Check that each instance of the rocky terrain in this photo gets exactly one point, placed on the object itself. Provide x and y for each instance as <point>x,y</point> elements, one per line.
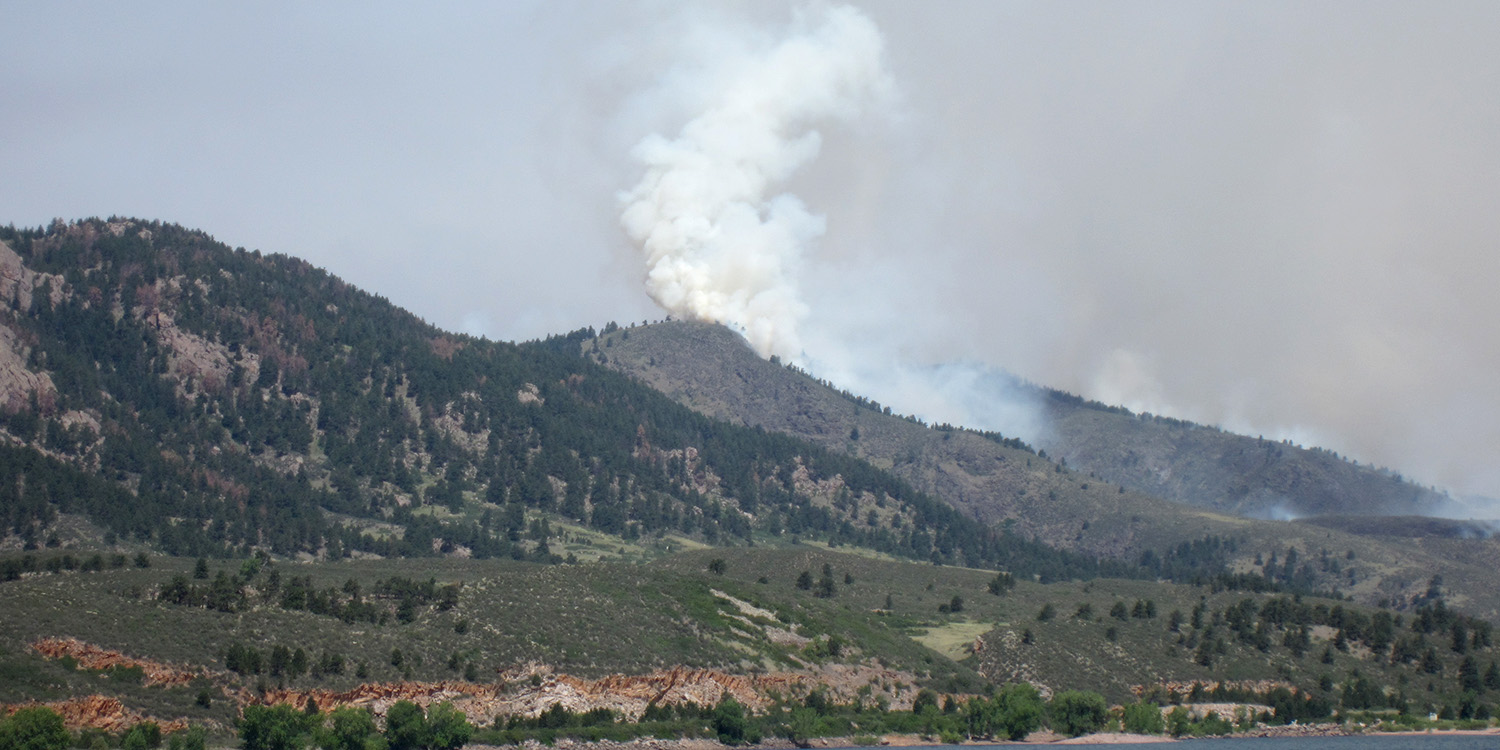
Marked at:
<point>525,690</point>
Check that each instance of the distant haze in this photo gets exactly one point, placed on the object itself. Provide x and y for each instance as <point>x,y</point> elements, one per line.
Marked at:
<point>1275,216</point>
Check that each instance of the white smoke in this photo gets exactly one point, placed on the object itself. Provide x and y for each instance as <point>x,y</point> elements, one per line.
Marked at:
<point>724,242</point>
<point>720,245</point>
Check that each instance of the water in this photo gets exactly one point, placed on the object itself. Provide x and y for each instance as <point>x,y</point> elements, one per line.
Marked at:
<point>1359,742</point>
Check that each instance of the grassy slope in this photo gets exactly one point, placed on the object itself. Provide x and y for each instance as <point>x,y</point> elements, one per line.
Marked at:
<point>710,370</point>
<point>604,618</point>
<point>586,620</point>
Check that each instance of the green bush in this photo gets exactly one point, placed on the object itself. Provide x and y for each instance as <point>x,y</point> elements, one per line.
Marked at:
<point>273,728</point>
<point>405,727</point>
<point>1213,725</point>
<point>1019,711</point>
<point>192,738</point>
<point>1179,722</point>
<point>447,728</point>
<point>34,729</point>
<point>1077,712</point>
<point>1143,718</point>
<point>142,736</point>
<point>348,728</point>
<point>731,724</point>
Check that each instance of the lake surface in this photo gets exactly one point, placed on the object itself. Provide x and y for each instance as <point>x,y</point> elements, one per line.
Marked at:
<point>1360,742</point>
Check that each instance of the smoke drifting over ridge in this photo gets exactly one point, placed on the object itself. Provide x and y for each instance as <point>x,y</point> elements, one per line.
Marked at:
<point>1241,216</point>
<point>1274,216</point>
<point>719,244</point>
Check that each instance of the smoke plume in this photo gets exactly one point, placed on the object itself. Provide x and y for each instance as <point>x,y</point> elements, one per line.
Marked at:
<point>720,243</point>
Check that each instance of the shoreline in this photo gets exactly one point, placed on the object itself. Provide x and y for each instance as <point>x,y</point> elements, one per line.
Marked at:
<point>1036,738</point>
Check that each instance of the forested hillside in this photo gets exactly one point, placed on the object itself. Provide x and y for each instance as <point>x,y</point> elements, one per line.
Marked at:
<point>210,401</point>
<point>1212,468</point>
<point>999,479</point>
<point>378,508</point>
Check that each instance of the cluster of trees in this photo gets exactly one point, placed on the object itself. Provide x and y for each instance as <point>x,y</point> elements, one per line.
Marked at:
<point>406,416</point>
<point>1010,712</point>
<point>41,728</point>
<point>407,727</point>
<point>396,598</point>
<point>825,587</point>
<point>1286,620</point>
<point>1205,562</point>
<point>12,568</point>
<point>1287,704</point>
<point>281,661</point>
<point>412,425</point>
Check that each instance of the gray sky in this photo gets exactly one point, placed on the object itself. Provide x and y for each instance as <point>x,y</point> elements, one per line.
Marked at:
<point>1279,217</point>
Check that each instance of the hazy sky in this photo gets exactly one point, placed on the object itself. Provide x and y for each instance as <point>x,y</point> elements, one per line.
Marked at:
<point>1280,217</point>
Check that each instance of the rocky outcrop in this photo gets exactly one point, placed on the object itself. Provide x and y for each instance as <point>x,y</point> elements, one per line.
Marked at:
<point>19,384</point>
<point>89,656</point>
<point>1184,687</point>
<point>1228,711</point>
<point>194,360</point>
<point>529,690</point>
<point>627,695</point>
<point>98,712</point>
<point>18,284</point>
<point>1298,730</point>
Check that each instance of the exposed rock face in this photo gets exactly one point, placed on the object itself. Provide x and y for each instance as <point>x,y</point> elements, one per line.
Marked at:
<point>90,656</point>
<point>1228,711</point>
<point>195,359</point>
<point>99,712</point>
<point>531,690</point>
<point>18,283</point>
<point>624,694</point>
<point>1184,687</point>
<point>1299,730</point>
<point>18,383</point>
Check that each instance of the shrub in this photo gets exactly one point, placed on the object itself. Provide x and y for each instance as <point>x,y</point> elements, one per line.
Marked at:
<point>924,698</point>
<point>447,728</point>
<point>192,738</point>
<point>1077,712</point>
<point>1213,725</point>
<point>730,723</point>
<point>405,726</point>
<point>273,728</point>
<point>1019,711</point>
<point>34,729</point>
<point>1179,722</point>
<point>1143,718</point>
<point>142,736</point>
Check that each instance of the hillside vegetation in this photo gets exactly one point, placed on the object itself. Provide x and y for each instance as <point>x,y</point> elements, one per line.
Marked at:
<point>1211,468</point>
<point>174,392</point>
<point>516,638</point>
<point>229,480</point>
<point>998,479</point>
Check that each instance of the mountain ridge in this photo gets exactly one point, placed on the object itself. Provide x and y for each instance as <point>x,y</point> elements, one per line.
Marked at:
<point>373,501</point>
<point>709,368</point>
<point>247,402</point>
<point>1214,468</point>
